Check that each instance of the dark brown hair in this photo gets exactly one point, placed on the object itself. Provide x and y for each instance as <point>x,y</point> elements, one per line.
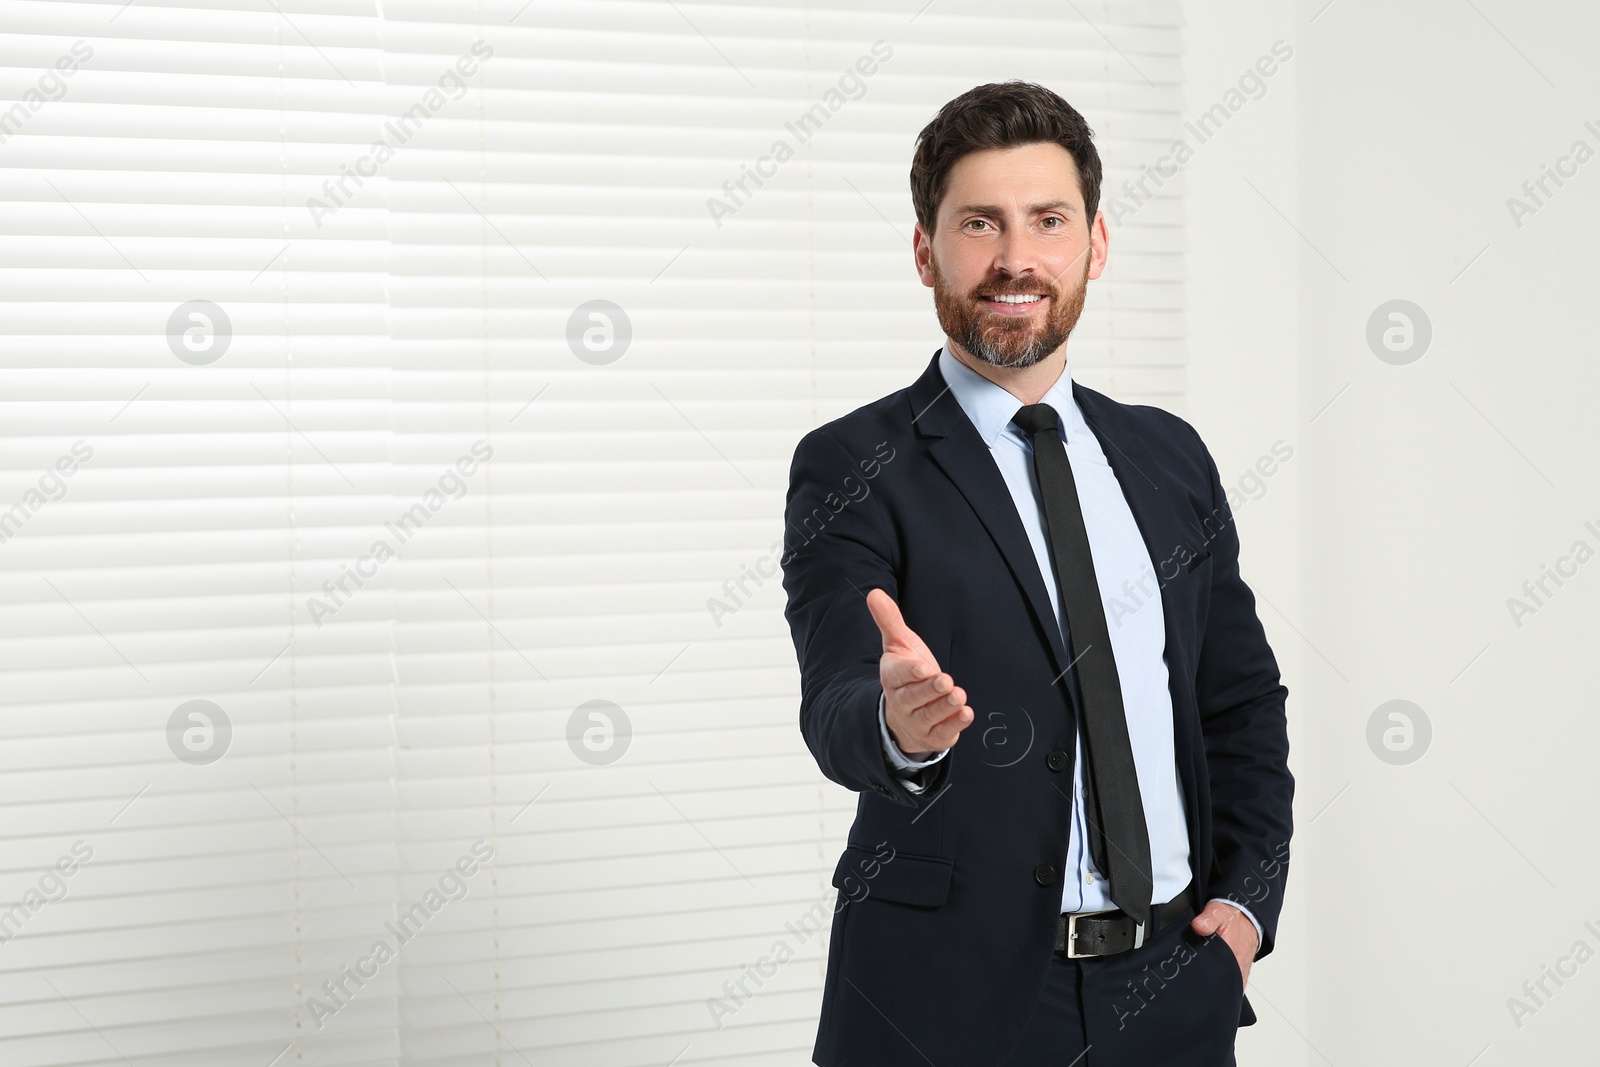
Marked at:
<point>1000,115</point>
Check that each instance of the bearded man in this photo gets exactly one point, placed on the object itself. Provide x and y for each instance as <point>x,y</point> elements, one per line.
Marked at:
<point>1024,641</point>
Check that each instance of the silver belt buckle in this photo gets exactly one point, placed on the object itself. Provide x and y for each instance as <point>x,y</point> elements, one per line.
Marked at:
<point>1072,933</point>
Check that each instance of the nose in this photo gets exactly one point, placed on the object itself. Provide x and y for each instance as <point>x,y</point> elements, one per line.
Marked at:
<point>1016,253</point>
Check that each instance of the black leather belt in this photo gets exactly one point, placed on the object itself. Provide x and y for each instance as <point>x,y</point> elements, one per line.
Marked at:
<point>1105,933</point>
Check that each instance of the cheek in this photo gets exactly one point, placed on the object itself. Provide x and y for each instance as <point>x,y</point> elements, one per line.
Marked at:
<point>1070,275</point>
<point>1082,265</point>
<point>965,259</point>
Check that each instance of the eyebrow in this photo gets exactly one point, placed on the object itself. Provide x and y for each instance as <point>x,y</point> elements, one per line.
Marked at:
<point>1034,209</point>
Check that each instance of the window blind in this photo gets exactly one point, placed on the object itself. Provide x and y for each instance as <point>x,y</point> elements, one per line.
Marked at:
<point>582,279</point>
<point>171,305</point>
<point>437,369</point>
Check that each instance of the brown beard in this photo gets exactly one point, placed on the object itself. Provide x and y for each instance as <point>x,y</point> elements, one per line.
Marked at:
<point>1002,342</point>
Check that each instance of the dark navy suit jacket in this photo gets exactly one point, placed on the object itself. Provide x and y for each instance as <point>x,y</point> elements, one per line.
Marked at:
<point>945,943</point>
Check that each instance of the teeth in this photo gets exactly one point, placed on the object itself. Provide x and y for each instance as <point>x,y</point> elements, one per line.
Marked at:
<point>1014,298</point>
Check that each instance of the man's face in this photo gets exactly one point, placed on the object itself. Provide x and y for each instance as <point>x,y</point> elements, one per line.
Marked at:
<point>1012,253</point>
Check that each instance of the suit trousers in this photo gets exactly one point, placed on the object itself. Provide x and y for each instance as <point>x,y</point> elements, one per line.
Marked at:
<point>1175,1000</point>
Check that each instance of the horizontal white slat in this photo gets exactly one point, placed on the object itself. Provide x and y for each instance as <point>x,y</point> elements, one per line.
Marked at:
<point>368,353</point>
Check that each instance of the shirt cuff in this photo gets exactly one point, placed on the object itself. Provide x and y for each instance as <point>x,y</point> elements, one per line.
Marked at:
<point>1247,915</point>
<point>897,759</point>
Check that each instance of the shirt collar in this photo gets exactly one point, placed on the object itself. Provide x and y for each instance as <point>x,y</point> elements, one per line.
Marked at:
<point>991,408</point>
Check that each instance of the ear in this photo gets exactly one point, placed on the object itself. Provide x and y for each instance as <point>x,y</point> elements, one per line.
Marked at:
<point>1099,245</point>
<point>922,254</point>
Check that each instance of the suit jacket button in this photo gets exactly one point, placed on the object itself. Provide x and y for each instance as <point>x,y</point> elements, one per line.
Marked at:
<point>1044,874</point>
<point>1057,760</point>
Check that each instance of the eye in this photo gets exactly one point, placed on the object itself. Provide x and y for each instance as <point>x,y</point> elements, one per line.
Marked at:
<point>1057,219</point>
<point>977,222</point>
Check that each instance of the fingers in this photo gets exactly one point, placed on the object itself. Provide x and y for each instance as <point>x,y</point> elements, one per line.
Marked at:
<point>934,726</point>
<point>923,701</point>
<point>945,733</point>
<point>897,636</point>
<point>939,689</point>
<point>927,698</point>
<point>1233,929</point>
<point>886,613</point>
<point>930,715</point>
<point>906,658</point>
<point>899,669</point>
<point>1209,921</point>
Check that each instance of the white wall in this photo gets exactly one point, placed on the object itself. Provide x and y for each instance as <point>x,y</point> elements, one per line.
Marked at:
<point>1244,393</point>
<point>1420,498</point>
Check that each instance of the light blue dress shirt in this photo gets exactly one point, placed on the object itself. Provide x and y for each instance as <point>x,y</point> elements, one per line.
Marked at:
<point>1130,592</point>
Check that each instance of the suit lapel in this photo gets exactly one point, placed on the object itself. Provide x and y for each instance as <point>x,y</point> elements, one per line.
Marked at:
<point>960,452</point>
<point>1158,509</point>
<point>1140,481</point>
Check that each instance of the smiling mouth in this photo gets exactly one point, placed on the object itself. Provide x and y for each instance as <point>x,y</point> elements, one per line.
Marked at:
<point>1012,303</point>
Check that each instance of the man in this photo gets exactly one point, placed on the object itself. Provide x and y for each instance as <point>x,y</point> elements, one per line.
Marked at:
<point>1024,640</point>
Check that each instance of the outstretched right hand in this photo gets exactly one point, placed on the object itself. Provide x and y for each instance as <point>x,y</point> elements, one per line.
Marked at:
<point>923,707</point>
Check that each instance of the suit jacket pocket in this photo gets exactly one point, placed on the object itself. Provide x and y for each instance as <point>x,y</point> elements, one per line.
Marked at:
<point>880,872</point>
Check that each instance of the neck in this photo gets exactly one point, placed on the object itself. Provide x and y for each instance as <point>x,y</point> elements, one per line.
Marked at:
<point>1027,384</point>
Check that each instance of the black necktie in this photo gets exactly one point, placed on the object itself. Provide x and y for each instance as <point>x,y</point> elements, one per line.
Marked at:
<point>1119,839</point>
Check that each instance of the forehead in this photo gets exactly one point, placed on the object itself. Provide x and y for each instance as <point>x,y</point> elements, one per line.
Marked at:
<point>1016,176</point>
